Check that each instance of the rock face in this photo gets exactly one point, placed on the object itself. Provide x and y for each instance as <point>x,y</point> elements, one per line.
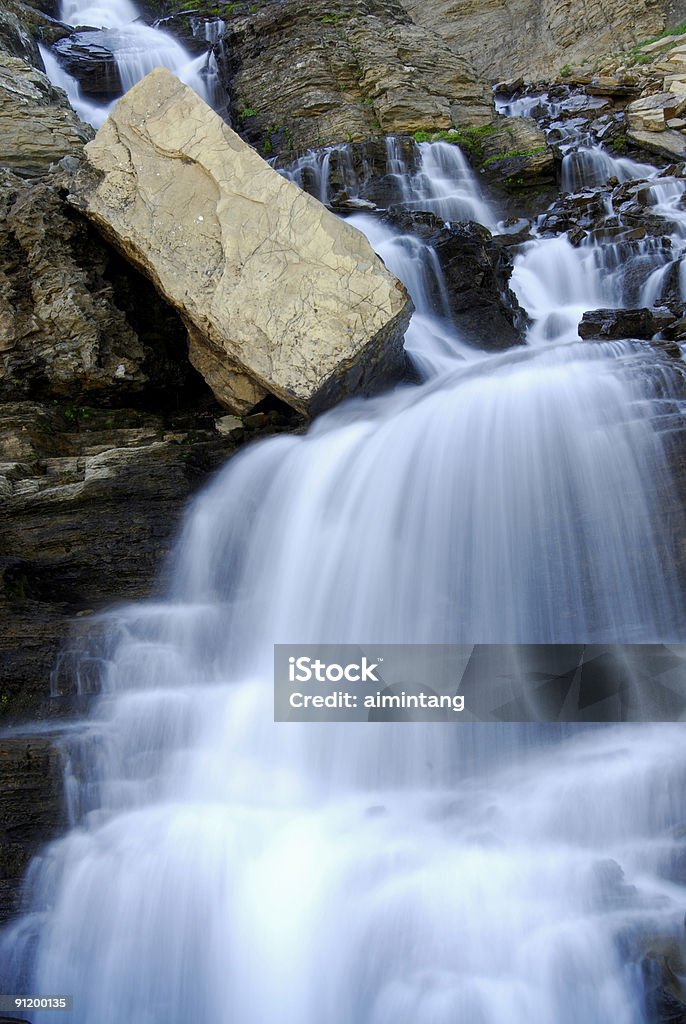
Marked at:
<point>37,125</point>
<point>535,38</point>
<point>31,809</point>
<point>279,297</point>
<point>306,74</point>
<point>71,328</point>
<point>91,501</point>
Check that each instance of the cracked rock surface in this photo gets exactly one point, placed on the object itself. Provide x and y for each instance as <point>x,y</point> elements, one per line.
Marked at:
<point>278,295</point>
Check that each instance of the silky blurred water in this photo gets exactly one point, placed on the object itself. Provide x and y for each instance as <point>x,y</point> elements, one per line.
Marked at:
<point>224,868</point>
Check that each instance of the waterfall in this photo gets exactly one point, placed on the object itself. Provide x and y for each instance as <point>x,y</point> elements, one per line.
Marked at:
<point>436,177</point>
<point>592,166</point>
<point>137,49</point>
<point>221,867</point>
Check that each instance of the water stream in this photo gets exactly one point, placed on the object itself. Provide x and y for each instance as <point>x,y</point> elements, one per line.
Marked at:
<point>223,868</point>
<point>137,49</point>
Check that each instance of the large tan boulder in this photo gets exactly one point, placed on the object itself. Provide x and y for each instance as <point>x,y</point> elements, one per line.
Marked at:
<point>278,295</point>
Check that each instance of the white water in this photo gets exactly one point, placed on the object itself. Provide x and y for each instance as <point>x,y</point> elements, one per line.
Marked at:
<point>224,868</point>
<point>585,163</point>
<point>592,166</point>
<point>137,49</point>
<point>438,178</point>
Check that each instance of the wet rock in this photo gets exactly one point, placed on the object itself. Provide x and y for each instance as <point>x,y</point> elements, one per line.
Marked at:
<point>31,810</point>
<point>477,272</point>
<point>606,324</point>
<point>477,269</point>
<point>302,74</point>
<point>94,67</point>
<point>279,296</point>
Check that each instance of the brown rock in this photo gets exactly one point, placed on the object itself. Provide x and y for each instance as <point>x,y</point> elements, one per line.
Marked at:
<point>310,77</point>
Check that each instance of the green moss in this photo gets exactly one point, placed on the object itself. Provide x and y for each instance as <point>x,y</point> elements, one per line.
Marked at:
<point>679,30</point>
<point>246,113</point>
<point>635,56</point>
<point>466,137</point>
<point>566,70</point>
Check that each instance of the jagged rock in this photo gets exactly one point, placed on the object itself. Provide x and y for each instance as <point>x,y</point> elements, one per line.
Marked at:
<point>535,38</point>
<point>32,809</point>
<point>302,74</point>
<point>37,125</point>
<point>16,40</point>
<point>71,312</point>
<point>86,59</point>
<point>650,113</point>
<point>606,324</point>
<point>476,271</point>
<point>279,296</point>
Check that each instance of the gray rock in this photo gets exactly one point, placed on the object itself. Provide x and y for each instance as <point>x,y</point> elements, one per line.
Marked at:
<point>605,324</point>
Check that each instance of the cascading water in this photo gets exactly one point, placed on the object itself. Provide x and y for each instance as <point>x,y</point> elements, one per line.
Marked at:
<point>137,48</point>
<point>224,868</point>
<point>437,178</point>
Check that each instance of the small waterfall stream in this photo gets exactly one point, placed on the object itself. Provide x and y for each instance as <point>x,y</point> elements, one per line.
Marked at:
<point>224,868</point>
<point>137,48</point>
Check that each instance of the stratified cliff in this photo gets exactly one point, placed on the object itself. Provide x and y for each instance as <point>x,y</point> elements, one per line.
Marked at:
<point>535,38</point>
